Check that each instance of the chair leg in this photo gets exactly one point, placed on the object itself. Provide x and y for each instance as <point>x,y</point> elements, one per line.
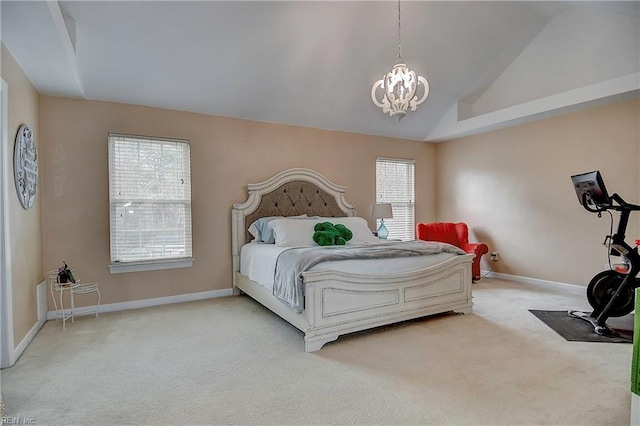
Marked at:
<point>99,298</point>
<point>64,318</point>
<point>73,304</point>
<point>53,296</point>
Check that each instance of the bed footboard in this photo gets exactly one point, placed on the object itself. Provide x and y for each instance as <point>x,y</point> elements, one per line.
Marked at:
<point>338,303</point>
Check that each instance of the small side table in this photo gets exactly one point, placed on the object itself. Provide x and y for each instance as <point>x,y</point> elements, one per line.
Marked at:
<point>73,288</point>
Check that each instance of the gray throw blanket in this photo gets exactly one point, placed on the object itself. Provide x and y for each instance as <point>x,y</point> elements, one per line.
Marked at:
<point>291,263</point>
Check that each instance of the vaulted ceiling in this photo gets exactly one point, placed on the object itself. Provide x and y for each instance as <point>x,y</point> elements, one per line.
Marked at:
<point>312,64</point>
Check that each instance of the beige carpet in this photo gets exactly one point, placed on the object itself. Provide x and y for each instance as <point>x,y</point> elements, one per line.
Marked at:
<point>230,361</point>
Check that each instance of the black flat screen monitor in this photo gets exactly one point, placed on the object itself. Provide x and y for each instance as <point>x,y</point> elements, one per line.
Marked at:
<point>591,185</point>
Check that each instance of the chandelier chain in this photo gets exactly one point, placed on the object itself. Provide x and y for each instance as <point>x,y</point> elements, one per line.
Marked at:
<point>399,36</point>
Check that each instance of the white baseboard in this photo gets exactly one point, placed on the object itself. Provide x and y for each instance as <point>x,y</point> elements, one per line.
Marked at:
<point>553,285</point>
<point>41,300</point>
<point>145,303</point>
<point>41,304</point>
<point>27,339</point>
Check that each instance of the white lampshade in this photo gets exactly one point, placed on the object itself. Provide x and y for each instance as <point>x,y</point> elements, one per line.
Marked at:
<point>382,211</point>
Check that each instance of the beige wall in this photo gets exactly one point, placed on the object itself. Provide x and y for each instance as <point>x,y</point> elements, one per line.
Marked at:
<point>513,188</point>
<point>25,225</point>
<point>226,155</point>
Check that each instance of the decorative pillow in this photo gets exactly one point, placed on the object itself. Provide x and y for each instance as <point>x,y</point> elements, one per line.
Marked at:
<point>358,227</point>
<point>292,232</point>
<point>261,231</point>
<point>256,229</point>
<point>328,234</point>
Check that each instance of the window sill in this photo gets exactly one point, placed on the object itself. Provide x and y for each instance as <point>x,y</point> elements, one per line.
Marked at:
<point>121,268</point>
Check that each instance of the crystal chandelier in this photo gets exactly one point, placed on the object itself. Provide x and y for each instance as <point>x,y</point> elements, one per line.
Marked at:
<point>400,86</point>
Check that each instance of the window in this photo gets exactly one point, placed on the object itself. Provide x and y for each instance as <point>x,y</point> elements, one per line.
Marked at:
<point>395,184</point>
<point>150,203</point>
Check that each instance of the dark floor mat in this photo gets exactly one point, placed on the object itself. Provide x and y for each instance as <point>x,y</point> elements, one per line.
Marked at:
<point>577,330</point>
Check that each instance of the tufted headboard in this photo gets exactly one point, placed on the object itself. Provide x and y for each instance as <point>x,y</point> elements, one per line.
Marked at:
<point>289,193</point>
<point>295,198</point>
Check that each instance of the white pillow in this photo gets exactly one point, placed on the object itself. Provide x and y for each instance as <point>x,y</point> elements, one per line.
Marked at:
<point>262,233</point>
<point>357,225</point>
<point>293,233</point>
<point>299,233</point>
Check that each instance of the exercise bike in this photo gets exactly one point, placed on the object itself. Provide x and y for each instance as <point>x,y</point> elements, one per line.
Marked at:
<point>610,293</point>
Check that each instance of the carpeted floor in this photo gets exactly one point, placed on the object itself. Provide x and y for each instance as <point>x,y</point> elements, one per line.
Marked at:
<point>230,361</point>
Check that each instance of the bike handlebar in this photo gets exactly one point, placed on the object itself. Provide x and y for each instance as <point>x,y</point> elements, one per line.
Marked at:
<point>625,210</point>
<point>622,205</point>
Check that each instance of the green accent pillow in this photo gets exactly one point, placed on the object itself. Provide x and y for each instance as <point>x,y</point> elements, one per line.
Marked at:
<point>328,234</point>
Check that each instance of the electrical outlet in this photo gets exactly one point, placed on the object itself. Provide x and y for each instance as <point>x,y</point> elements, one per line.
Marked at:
<point>494,256</point>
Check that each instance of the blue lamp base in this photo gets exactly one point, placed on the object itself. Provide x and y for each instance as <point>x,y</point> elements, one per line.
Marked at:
<point>383,232</point>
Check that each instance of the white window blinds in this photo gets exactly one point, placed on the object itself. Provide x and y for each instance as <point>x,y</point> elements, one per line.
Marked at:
<point>395,184</point>
<point>150,199</point>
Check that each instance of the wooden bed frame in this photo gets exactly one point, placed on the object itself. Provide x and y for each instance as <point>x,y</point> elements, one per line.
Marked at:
<point>338,303</point>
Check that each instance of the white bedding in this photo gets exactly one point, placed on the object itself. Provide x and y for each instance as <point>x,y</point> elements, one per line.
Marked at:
<point>258,263</point>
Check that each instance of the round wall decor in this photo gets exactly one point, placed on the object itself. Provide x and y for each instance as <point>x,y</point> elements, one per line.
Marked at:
<point>25,166</point>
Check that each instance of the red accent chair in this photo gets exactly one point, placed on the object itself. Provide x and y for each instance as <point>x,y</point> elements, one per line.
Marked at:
<point>456,234</point>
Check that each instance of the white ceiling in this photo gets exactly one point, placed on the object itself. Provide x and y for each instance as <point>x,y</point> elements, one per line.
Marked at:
<point>312,64</point>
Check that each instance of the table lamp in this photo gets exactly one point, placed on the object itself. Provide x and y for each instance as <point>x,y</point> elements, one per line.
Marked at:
<point>382,211</point>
